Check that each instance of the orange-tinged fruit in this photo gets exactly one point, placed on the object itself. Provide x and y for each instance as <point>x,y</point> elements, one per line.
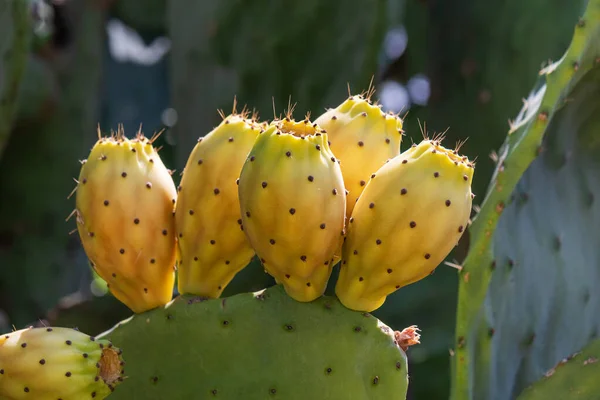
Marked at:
<point>125,200</point>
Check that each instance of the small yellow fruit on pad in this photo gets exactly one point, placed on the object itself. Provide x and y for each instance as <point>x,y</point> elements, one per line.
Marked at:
<point>57,363</point>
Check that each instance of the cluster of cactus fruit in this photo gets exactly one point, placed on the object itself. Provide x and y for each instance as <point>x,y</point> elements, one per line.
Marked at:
<point>304,197</point>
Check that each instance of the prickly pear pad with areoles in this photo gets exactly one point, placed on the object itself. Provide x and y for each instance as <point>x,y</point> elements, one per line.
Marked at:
<point>363,138</point>
<point>57,363</point>
<point>125,200</point>
<point>212,246</point>
<point>262,345</point>
<point>528,294</point>
<point>574,377</point>
<point>293,205</point>
<point>411,214</point>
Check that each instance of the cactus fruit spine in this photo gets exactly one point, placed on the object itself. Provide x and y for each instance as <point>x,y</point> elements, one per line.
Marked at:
<point>293,205</point>
<point>57,363</point>
<point>212,247</point>
<point>261,345</point>
<point>125,200</point>
<point>410,215</point>
<point>363,138</point>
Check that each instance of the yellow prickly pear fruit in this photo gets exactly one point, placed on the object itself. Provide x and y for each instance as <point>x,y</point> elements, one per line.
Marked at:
<point>125,200</point>
<point>363,138</point>
<point>212,247</point>
<point>57,363</point>
<point>293,204</point>
<point>411,214</point>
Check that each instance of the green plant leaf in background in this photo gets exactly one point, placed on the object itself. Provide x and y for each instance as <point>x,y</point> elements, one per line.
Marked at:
<point>248,49</point>
<point>39,262</point>
<point>14,44</point>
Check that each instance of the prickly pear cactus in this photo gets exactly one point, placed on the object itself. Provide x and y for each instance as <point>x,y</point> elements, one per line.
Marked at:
<point>258,346</point>
<point>14,47</point>
<point>533,261</point>
<point>57,363</point>
<point>575,377</point>
<point>212,246</point>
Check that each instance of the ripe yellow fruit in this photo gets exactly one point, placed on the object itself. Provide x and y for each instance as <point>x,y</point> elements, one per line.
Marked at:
<point>293,204</point>
<point>363,138</point>
<point>212,246</point>
<point>410,215</point>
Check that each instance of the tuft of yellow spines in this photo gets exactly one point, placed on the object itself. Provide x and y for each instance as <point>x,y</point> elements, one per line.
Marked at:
<point>363,138</point>
<point>293,204</point>
<point>212,246</point>
<point>412,212</point>
<point>125,200</point>
<point>57,363</point>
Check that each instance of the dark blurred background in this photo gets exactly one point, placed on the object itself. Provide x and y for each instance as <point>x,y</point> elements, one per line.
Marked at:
<point>457,64</point>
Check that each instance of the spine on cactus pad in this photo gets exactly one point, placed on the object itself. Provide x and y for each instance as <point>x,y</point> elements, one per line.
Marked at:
<point>125,201</point>
<point>410,215</point>
<point>57,363</point>
<point>293,204</point>
<point>212,246</point>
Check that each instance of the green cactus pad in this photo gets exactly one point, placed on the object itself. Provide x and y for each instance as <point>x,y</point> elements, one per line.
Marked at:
<point>573,378</point>
<point>527,297</point>
<point>259,345</point>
